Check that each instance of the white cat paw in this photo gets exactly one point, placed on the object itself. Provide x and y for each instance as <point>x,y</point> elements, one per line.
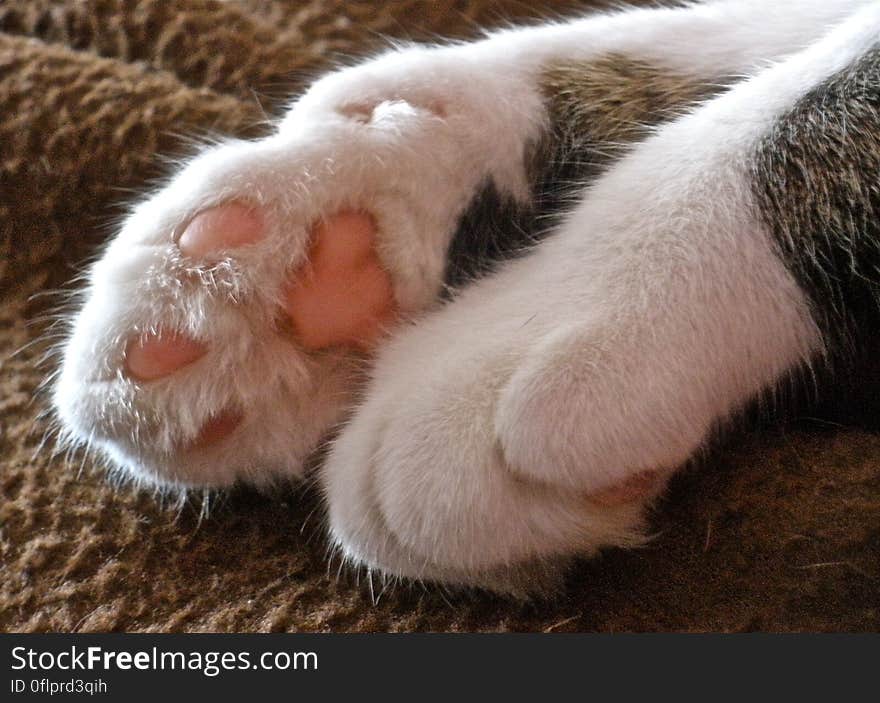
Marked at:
<point>419,484</point>
<point>223,331</point>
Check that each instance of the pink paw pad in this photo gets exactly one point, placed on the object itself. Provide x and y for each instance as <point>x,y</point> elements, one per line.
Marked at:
<point>156,356</point>
<point>342,296</point>
<point>226,226</point>
<point>216,429</point>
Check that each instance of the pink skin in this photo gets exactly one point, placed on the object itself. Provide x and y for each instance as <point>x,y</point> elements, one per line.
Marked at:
<point>342,297</point>
<point>157,356</point>
<point>228,226</point>
<point>216,429</point>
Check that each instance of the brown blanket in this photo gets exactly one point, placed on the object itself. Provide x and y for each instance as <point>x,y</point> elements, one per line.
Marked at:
<point>779,532</point>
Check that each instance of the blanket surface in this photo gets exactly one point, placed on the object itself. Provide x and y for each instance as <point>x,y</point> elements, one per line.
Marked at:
<point>778,531</point>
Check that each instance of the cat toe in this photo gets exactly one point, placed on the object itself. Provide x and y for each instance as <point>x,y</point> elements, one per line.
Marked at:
<point>221,228</point>
<point>159,355</point>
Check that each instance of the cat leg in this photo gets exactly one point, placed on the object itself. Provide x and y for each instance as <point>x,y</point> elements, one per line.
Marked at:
<point>224,330</point>
<point>535,416</point>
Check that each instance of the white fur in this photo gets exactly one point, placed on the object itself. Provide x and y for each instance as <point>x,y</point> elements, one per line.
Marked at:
<point>656,310</point>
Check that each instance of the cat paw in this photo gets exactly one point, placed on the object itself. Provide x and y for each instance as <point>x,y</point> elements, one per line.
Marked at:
<point>224,330</point>
<point>222,349</point>
<point>420,483</point>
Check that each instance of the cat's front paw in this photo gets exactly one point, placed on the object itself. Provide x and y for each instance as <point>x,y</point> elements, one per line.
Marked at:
<point>223,331</point>
<point>418,483</point>
<point>223,348</point>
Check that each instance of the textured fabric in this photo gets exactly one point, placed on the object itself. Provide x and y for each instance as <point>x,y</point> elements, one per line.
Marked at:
<point>780,531</point>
